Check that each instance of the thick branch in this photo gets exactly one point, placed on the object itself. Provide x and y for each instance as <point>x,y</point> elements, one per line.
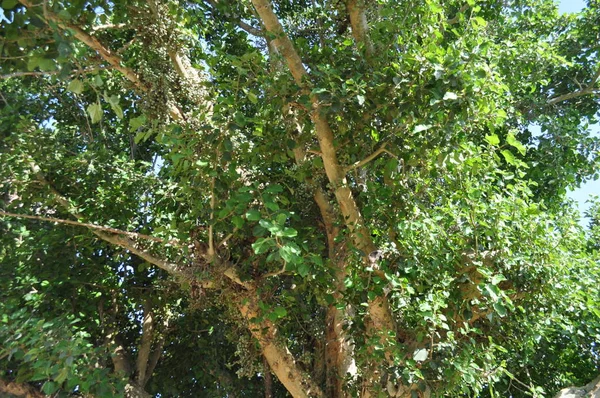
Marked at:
<point>589,89</point>
<point>145,345</point>
<point>591,390</point>
<point>280,359</point>
<point>154,357</point>
<point>380,317</point>
<point>360,27</point>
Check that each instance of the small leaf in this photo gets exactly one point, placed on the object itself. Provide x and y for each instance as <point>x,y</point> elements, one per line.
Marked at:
<point>95,112</point>
<point>492,139</point>
<point>450,96</point>
<point>252,97</point>
<point>361,99</point>
<point>274,188</point>
<point>64,14</point>
<point>117,109</point>
<point>500,309</point>
<point>420,354</point>
<point>422,127</point>
<point>280,312</point>
<point>75,86</point>
<point>262,245</point>
<point>289,232</point>
<point>9,4</point>
<point>97,81</point>
<point>512,141</point>
<point>252,215</point>
<point>49,387</point>
<point>508,156</point>
<point>136,122</point>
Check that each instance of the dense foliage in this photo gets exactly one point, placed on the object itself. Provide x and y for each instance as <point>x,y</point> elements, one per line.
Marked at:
<point>218,198</point>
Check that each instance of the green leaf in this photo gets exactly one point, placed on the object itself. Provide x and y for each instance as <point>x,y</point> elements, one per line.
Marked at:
<point>64,14</point>
<point>95,112</point>
<point>9,4</point>
<point>288,232</point>
<point>253,215</point>
<point>289,253</point>
<point>512,141</point>
<point>46,64</point>
<point>500,308</point>
<point>75,86</point>
<point>62,375</point>
<point>262,245</point>
<point>137,122</point>
<point>97,81</point>
<point>50,387</point>
<point>492,139</point>
<point>237,221</point>
<point>117,109</point>
<point>280,312</point>
<point>508,156</point>
<point>274,188</point>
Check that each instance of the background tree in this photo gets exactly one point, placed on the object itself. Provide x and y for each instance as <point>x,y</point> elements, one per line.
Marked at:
<point>235,198</point>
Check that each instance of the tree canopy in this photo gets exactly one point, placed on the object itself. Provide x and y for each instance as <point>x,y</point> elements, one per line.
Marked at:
<point>219,198</point>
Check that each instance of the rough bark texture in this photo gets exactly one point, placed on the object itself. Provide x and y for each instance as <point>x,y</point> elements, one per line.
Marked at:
<point>9,389</point>
<point>298,383</point>
<point>380,318</point>
<point>360,27</point>
<point>590,390</point>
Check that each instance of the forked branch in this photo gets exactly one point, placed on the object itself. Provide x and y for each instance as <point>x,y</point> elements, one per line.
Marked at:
<point>589,89</point>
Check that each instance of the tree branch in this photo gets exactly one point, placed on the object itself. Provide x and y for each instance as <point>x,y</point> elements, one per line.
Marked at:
<point>118,240</point>
<point>109,56</point>
<point>280,359</point>
<point>145,345</point>
<point>369,158</point>
<point>380,322</point>
<point>243,25</point>
<point>135,235</point>
<point>109,26</point>
<point>155,355</point>
<point>50,73</point>
<point>360,28</point>
<point>589,89</point>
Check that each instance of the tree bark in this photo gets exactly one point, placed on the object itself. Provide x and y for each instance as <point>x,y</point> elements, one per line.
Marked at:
<point>590,390</point>
<point>380,317</point>
<point>19,390</point>
<point>298,383</point>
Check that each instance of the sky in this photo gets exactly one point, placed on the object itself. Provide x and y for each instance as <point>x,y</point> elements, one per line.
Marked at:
<point>582,194</point>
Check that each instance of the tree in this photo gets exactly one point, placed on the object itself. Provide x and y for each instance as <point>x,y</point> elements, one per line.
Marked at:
<point>320,199</point>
